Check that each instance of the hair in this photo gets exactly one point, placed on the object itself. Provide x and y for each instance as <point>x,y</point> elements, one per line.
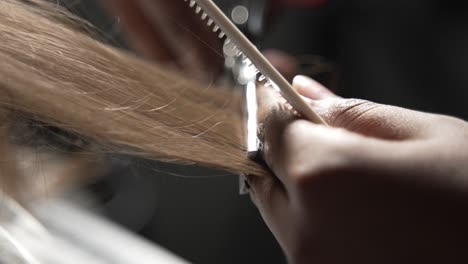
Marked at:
<point>56,74</point>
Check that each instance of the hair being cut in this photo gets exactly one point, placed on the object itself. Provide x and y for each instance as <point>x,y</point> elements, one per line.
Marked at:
<point>53,73</point>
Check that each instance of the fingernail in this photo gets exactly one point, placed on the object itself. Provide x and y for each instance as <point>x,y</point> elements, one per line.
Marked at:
<point>306,87</point>
<point>301,80</point>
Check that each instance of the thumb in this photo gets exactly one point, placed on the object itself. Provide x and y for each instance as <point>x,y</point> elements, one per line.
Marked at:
<point>372,119</point>
<point>361,116</point>
<point>310,88</point>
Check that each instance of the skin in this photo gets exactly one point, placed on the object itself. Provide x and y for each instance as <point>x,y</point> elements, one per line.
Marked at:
<point>381,184</point>
<point>170,33</point>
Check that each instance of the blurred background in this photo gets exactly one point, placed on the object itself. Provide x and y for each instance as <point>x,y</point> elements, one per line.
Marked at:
<point>408,53</point>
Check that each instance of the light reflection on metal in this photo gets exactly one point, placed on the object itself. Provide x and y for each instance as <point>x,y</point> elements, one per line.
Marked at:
<point>251,101</point>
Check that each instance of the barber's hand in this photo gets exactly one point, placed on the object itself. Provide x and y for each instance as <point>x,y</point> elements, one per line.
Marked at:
<point>170,32</point>
<point>382,184</point>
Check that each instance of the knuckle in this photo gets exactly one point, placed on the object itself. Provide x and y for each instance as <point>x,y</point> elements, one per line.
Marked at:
<point>328,162</point>
<point>351,110</point>
<point>306,180</point>
<point>298,173</point>
<point>274,121</point>
<point>295,129</point>
<point>278,128</point>
<point>276,115</point>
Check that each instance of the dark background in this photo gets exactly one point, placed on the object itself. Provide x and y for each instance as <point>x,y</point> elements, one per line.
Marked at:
<point>408,53</point>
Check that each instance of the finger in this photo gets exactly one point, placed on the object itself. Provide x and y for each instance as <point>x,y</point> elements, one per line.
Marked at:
<point>163,16</point>
<point>294,147</point>
<point>275,118</point>
<point>372,119</point>
<point>269,196</point>
<point>284,63</point>
<point>363,117</point>
<point>140,32</point>
<point>191,41</point>
<point>310,88</point>
<point>267,192</point>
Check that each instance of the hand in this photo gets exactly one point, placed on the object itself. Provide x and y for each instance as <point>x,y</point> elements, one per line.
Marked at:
<point>286,64</point>
<point>382,184</point>
<point>171,33</point>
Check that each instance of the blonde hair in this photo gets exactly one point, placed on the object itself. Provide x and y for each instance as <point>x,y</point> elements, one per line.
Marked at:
<point>61,76</point>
